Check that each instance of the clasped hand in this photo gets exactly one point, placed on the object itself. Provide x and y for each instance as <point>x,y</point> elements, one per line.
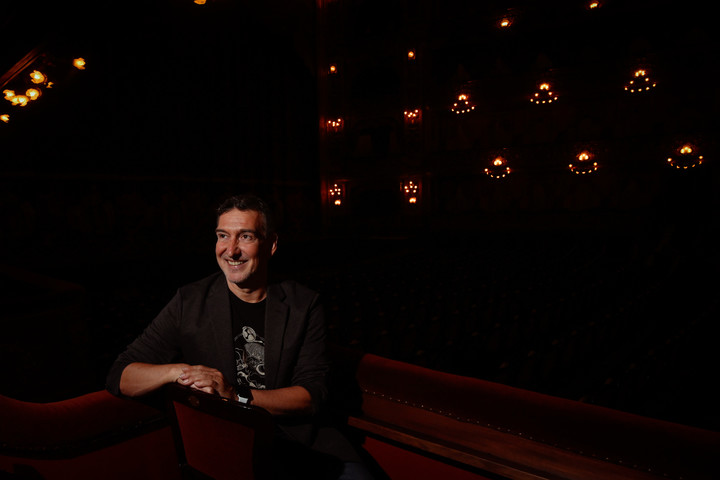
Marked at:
<point>206,379</point>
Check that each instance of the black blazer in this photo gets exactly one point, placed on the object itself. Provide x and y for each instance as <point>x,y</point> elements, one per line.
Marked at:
<point>195,327</point>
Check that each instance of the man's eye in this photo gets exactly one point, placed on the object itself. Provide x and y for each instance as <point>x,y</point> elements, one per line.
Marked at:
<point>247,237</point>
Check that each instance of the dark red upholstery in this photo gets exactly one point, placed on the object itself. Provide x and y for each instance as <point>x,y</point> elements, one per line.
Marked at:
<point>96,435</point>
<point>486,417</point>
<point>220,438</point>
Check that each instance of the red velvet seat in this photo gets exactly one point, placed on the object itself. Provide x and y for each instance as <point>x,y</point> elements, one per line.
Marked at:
<point>218,438</point>
<point>92,436</point>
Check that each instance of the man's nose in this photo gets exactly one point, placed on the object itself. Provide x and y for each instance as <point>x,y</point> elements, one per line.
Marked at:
<point>234,247</point>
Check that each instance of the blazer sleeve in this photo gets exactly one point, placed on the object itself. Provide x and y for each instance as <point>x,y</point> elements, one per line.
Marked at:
<point>158,344</point>
<point>312,365</point>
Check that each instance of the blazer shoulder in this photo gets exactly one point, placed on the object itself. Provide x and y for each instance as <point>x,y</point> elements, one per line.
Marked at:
<point>291,291</point>
<point>209,284</point>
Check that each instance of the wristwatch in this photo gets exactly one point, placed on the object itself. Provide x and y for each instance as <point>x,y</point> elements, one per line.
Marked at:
<point>243,394</point>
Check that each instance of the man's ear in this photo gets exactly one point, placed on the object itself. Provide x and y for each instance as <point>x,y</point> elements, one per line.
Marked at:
<point>273,243</point>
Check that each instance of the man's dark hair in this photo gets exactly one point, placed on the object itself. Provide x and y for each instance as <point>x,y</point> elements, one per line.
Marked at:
<point>252,202</point>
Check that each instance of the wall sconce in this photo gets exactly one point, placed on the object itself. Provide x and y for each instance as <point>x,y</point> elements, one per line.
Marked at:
<point>585,163</point>
<point>410,189</point>
<point>334,126</point>
<point>499,168</point>
<point>336,194</point>
<point>687,157</point>
<point>462,105</point>
<point>640,82</point>
<point>412,117</point>
<point>544,95</point>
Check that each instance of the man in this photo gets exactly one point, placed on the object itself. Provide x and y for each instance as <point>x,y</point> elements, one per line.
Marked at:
<point>234,335</point>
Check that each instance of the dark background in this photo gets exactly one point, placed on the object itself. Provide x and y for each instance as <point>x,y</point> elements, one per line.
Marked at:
<point>599,287</point>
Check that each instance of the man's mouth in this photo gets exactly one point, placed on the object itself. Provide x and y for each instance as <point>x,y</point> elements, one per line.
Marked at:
<point>235,263</point>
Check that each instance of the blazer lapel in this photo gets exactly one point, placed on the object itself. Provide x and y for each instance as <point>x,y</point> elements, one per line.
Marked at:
<point>219,306</point>
<point>276,317</point>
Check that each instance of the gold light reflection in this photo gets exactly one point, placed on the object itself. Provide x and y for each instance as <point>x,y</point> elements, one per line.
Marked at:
<point>585,163</point>
<point>5,118</point>
<point>79,63</point>
<point>687,157</point>
<point>499,168</point>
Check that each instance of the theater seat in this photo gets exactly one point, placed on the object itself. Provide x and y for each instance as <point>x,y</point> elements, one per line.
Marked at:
<point>96,435</point>
<point>217,438</point>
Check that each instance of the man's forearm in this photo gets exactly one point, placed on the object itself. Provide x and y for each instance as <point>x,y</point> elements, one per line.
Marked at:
<point>140,378</point>
<point>284,401</point>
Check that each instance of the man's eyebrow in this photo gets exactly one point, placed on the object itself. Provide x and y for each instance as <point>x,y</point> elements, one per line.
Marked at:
<point>242,230</point>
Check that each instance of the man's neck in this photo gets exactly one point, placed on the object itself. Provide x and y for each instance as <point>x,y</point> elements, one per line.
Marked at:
<point>249,295</point>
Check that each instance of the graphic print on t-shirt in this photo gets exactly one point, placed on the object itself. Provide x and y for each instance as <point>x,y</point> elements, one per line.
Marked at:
<point>250,358</point>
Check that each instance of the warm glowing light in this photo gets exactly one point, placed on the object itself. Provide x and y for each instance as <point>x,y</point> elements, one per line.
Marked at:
<point>20,100</point>
<point>337,194</point>
<point>640,82</point>
<point>9,94</point>
<point>5,118</point>
<point>463,104</point>
<point>585,165</point>
<point>411,54</point>
<point>335,125</point>
<point>79,63</point>
<point>33,93</point>
<point>543,95</point>
<point>498,169</point>
<point>37,77</point>
<point>333,69</point>
<point>505,22</point>
<point>199,2</point>
<point>411,190</point>
<point>687,158</point>
<point>594,5</point>
<point>412,117</point>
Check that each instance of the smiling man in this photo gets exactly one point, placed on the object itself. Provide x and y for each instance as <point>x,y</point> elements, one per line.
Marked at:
<point>232,334</point>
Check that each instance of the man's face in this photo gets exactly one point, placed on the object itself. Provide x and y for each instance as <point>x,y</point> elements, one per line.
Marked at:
<point>242,251</point>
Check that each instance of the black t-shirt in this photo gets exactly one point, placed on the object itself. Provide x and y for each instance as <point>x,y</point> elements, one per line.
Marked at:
<point>248,322</point>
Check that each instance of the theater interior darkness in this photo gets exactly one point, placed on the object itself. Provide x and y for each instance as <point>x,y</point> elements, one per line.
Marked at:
<point>524,192</point>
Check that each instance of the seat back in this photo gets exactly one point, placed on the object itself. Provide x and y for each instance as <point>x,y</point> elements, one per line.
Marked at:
<point>218,438</point>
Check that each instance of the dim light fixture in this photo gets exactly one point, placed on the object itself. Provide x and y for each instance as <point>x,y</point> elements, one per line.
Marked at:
<point>412,117</point>
<point>334,126</point>
<point>640,82</point>
<point>411,191</point>
<point>499,168</point>
<point>336,194</point>
<point>585,163</point>
<point>687,157</point>
<point>462,105</point>
<point>544,95</point>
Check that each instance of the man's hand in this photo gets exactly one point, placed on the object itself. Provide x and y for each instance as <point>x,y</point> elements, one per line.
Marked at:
<point>206,379</point>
